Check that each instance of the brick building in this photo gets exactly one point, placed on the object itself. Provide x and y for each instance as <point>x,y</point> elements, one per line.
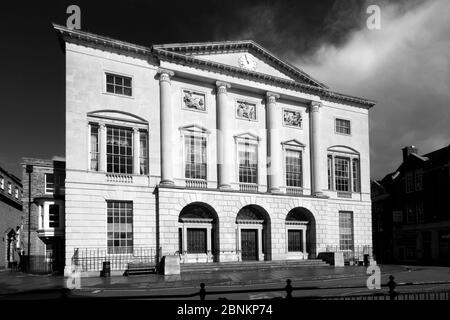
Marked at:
<point>214,151</point>
<point>10,218</point>
<point>411,210</point>
<point>47,213</point>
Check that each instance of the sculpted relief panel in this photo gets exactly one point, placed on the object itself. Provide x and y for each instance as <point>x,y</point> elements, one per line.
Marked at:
<point>292,118</point>
<point>193,100</point>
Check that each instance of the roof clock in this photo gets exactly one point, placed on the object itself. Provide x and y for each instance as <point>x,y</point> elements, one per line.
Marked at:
<point>247,61</point>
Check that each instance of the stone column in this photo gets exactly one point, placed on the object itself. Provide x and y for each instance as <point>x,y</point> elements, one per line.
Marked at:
<point>316,170</point>
<point>209,253</point>
<point>136,151</point>
<point>304,242</point>
<point>224,143</point>
<point>102,147</point>
<point>166,119</point>
<point>275,168</point>
<point>260,242</point>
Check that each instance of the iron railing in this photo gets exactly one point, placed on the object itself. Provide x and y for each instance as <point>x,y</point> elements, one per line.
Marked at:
<point>42,264</point>
<point>353,256</point>
<point>390,294</point>
<point>91,259</point>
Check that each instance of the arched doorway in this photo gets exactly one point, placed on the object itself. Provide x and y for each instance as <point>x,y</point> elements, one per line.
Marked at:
<point>253,234</point>
<point>198,234</point>
<point>300,234</point>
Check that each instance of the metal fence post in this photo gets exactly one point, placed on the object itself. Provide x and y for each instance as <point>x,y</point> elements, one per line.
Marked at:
<point>288,289</point>
<point>391,284</point>
<point>202,291</point>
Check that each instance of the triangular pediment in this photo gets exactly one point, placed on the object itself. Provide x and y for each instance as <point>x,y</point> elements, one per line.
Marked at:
<point>247,136</point>
<point>194,128</point>
<point>241,55</point>
<point>293,143</point>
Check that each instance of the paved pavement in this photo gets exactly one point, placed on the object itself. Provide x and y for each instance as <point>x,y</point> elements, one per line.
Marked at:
<point>18,284</point>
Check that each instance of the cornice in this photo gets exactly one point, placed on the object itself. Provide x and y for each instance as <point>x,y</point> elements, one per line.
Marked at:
<point>167,53</point>
<point>285,83</point>
<point>77,36</point>
<point>243,45</point>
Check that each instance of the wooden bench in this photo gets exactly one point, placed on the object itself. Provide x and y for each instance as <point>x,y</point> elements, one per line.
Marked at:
<point>135,268</point>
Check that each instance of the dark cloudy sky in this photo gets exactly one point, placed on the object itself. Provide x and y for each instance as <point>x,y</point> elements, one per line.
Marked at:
<point>404,66</point>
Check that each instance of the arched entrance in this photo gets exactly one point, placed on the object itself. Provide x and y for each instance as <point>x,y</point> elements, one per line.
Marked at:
<point>253,234</point>
<point>300,234</point>
<point>198,234</point>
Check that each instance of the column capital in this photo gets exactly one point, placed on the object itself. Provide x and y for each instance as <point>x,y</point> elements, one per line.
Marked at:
<point>272,97</point>
<point>136,130</point>
<point>102,125</point>
<point>315,105</point>
<point>164,74</point>
<point>222,86</point>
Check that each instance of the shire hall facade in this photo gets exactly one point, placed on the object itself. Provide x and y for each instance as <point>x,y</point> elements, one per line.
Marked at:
<point>214,152</point>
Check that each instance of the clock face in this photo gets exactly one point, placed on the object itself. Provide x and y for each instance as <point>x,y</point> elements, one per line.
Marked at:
<point>247,61</point>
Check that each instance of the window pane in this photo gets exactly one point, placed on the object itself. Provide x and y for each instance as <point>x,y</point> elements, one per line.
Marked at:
<point>248,163</point>
<point>355,175</point>
<point>343,126</point>
<point>119,157</point>
<point>342,174</point>
<point>119,227</point>
<point>49,183</point>
<point>94,148</point>
<point>294,168</point>
<point>346,230</point>
<point>53,216</point>
<point>143,156</point>
<point>118,84</point>
<point>195,157</point>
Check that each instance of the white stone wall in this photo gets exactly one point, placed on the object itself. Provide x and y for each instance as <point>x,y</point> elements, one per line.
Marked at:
<point>228,204</point>
<point>87,192</point>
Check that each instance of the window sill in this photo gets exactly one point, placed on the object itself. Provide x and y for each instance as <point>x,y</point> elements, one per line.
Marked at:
<point>118,95</point>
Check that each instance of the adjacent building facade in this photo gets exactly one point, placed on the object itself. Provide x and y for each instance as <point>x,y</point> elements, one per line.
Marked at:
<point>43,181</point>
<point>10,219</point>
<point>213,151</point>
<point>411,210</point>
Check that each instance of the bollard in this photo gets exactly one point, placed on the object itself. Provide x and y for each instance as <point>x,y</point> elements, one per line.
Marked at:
<point>391,284</point>
<point>106,272</point>
<point>288,289</point>
<point>202,291</point>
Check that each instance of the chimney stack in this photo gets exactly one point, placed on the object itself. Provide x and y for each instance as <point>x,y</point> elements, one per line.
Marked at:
<point>408,150</point>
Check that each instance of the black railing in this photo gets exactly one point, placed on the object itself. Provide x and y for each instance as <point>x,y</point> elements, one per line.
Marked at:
<point>41,264</point>
<point>354,255</point>
<point>91,259</point>
<point>390,294</point>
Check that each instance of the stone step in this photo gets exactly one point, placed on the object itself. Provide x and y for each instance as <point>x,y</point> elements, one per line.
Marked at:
<point>250,265</point>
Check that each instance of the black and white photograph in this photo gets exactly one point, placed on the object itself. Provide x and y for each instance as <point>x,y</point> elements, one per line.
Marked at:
<point>225,159</point>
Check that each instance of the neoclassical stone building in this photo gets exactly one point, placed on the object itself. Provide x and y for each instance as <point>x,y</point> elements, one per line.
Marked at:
<point>215,151</point>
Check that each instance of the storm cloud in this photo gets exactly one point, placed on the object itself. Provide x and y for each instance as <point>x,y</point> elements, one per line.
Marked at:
<point>405,67</point>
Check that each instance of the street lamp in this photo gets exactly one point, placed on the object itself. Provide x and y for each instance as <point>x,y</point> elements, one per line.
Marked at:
<point>29,171</point>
